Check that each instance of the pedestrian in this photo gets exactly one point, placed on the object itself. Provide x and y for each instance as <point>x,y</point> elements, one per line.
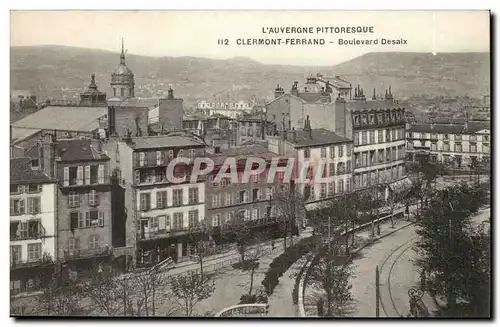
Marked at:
<point>272,244</point>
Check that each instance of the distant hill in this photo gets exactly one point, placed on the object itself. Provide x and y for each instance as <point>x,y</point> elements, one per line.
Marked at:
<point>54,71</point>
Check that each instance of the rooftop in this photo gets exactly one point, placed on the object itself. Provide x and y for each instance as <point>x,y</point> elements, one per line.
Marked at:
<point>134,102</point>
<point>317,137</point>
<point>472,127</point>
<point>21,172</point>
<point>76,119</point>
<point>369,104</point>
<point>78,150</point>
<point>219,159</point>
<point>165,141</point>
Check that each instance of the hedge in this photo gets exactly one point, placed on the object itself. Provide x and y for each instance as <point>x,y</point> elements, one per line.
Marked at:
<point>285,260</point>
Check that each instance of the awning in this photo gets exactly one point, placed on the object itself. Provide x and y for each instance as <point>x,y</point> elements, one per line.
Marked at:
<point>401,185</point>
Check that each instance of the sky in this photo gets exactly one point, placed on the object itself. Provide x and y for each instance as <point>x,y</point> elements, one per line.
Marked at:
<point>195,33</point>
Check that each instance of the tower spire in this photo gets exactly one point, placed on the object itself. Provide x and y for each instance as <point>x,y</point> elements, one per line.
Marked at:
<point>122,55</point>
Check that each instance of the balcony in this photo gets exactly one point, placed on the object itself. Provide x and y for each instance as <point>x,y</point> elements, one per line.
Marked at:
<point>77,184</point>
<point>87,253</point>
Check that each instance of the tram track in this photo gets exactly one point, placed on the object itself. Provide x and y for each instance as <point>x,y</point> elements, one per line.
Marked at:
<point>406,246</point>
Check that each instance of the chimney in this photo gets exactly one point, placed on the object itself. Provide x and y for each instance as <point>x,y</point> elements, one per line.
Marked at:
<point>374,97</point>
<point>307,127</point>
<point>111,121</point>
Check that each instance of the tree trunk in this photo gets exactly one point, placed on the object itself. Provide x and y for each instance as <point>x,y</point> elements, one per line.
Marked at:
<point>392,217</point>
<point>241,249</point>
<point>201,264</point>
<point>251,280</point>
<point>346,235</point>
<point>353,233</point>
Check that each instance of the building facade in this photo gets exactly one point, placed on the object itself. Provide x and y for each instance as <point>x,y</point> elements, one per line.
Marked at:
<point>379,141</point>
<point>33,212</point>
<point>227,108</point>
<point>84,216</point>
<point>160,212</point>
<point>456,145</point>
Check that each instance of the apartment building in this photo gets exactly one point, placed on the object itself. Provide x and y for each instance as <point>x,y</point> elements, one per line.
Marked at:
<point>160,213</point>
<point>327,155</point>
<point>33,212</point>
<point>456,145</point>
<point>229,108</point>
<point>83,200</point>
<point>229,200</point>
<point>250,128</point>
<point>379,141</point>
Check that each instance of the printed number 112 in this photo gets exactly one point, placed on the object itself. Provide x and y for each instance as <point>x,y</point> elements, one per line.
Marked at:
<point>222,41</point>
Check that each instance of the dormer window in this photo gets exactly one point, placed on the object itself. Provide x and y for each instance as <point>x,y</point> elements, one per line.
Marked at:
<point>356,120</point>
<point>34,164</point>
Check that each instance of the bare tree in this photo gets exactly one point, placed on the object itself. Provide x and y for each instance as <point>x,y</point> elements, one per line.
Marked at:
<point>332,275</point>
<point>198,237</point>
<point>149,283</point>
<point>191,288</point>
<point>239,231</point>
<point>254,253</point>
<point>62,296</point>
<point>289,205</point>
<point>396,198</point>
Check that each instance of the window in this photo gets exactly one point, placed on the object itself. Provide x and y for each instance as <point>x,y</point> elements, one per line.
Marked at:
<point>93,198</point>
<point>243,197</point>
<point>159,158</point>
<point>331,188</point>
<point>246,214</point>
<point>381,156</point>
<point>348,150</point>
<point>363,138</point>
<point>101,174</point>
<point>15,254</point>
<point>446,136</point>
<point>380,136</point>
<point>255,195</point>
<point>306,153</point>
<point>341,151</point>
<point>193,218</point>
<point>216,221</point>
<point>177,198</point>
<point>255,213</point>
<point>215,200</point>
<point>486,147</point>
<point>323,191</point>
<point>228,199</point>
<point>192,154</point>
<point>73,244</point>
<point>332,152</point>
<point>178,220</point>
<point>388,135</point>
<point>458,137</point>
<point>256,178</point>
<point>170,154</point>
<point>161,200</point>
<point>100,218</point>
<point>340,168</point>
<point>34,205</point>
<point>372,137</point>
<point>73,199</point>
<point>364,159</point>
<point>331,169</point>
<point>348,166</point>
<point>446,146</point>
<point>270,191</point>
<point>94,242</point>
<point>472,137</point>
<point>434,146</point>
<point>348,185</point>
<point>87,175</point>
<point>193,195</point>
<point>473,147</point>
<point>180,153</point>
<point>79,175</point>
<point>323,152</point>
<point>307,192</point>
<point>356,138</point>
<point>458,147</point>
<point>145,201</point>
<point>34,251</point>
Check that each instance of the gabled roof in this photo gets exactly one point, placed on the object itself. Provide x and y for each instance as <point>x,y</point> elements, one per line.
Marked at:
<point>21,172</point>
<point>78,150</point>
<point>76,119</point>
<point>286,94</point>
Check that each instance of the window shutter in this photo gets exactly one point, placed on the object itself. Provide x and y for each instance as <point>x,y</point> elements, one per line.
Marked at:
<point>21,207</point>
<point>158,158</point>
<point>101,218</point>
<point>161,222</point>
<point>87,175</point>
<point>66,176</point>
<point>167,222</point>
<point>79,175</point>
<point>81,222</point>
<point>73,221</point>
<point>100,174</point>
<point>77,244</point>
<point>87,219</point>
